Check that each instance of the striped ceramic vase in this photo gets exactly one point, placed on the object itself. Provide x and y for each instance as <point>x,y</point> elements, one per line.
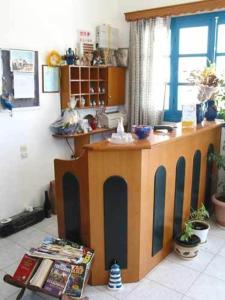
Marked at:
<point>115,282</point>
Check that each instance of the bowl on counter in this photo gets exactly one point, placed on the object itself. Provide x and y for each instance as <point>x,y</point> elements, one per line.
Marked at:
<point>141,131</point>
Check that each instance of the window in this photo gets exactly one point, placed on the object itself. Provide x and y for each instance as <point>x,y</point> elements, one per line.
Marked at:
<point>195,40</point>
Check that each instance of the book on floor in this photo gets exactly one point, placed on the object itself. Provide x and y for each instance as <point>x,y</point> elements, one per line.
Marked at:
<point>25,269</point>
<point>41,274</point>
<point>75,283</point>
<point>58,249</point>
<point>57,278</point>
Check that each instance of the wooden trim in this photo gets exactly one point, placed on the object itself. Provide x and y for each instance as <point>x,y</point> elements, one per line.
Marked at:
<point>175,10</point>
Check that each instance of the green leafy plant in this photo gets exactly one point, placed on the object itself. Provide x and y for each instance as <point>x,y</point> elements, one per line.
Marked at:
<point>187,232</point>
<point>219,160</point>
<point>200,214</point>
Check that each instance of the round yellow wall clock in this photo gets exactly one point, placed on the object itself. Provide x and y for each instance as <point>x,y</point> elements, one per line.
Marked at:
<point>54,58</point>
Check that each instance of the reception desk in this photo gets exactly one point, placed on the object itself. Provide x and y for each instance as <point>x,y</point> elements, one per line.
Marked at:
<point>127,202</point>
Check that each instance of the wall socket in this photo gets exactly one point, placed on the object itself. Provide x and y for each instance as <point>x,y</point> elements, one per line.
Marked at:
<point>23,151</point>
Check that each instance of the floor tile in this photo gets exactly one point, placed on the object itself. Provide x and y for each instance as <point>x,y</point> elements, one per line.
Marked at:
<point>28,239</point>
<point>214,244</point>
<point>207,288</point>
<point>199,263</point>
<point>11,254</point>
<point>173,275</point>
<point>6,290</point>
<point>95,294</point>
<point>121,294</point>
<point>217,268</point>
<point>153,290</point>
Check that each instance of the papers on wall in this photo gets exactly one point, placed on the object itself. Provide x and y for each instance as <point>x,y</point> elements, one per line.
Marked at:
<point>22,61</point>
<point>107,37</point>
<point>23,85</point>
<point>1,73</point>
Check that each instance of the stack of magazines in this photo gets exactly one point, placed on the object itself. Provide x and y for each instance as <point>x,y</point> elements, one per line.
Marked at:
<point>57,266</point>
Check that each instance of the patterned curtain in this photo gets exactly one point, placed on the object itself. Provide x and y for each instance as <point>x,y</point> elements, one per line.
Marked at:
<point>148,69</point>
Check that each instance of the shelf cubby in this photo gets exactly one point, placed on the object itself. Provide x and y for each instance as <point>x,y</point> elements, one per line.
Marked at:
<point>75,87</point>
<point>94,74</point>
<point>74,73</point>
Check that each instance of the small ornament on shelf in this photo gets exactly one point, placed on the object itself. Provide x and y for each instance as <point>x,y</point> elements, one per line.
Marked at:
<point>82,102</point>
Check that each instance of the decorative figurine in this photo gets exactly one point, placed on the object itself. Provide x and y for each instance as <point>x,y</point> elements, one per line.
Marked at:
<point>82,101</point>
<point>115,282</point>
<point>97,59</point>
<point>70,56</point>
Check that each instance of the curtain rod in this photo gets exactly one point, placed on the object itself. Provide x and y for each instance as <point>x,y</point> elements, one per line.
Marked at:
<point>174,10</point>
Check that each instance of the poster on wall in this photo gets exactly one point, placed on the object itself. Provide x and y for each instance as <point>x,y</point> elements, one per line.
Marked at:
<point>50,79</point>
<point>23,85</point>
<point>22,61</point>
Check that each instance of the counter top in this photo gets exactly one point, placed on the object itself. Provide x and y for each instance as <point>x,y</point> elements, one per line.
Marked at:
<point>155,138</point>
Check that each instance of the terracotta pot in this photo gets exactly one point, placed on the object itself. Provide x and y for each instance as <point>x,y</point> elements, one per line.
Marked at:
<point>219,208</point>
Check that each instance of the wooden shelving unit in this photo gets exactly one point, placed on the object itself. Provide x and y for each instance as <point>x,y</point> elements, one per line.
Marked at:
<point>98,85</point>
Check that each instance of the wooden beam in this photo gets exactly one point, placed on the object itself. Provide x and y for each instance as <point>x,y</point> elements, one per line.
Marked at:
<point>174,10</point>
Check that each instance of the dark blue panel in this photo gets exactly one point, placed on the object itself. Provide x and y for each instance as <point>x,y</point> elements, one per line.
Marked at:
<point>71,196</point>
<point>195,179</point>
<point>179,196</point>
<point>208,182</point>
<point>115,221</point>
<point>159,208</point>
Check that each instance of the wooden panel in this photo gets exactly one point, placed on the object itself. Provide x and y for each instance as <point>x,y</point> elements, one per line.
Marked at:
<point>71,197</point>
<point>64,86</point>
<point>79,169</point>
<point>195,179</point>
<point>116,86</point>
<point>158,212</point>
<point>103,165</point>
<point>179,196</point>
<point>208,181</point>
<point>174,10</point>
<point>115,221</point>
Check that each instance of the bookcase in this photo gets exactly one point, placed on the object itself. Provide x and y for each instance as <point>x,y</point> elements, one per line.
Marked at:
<point>92,86</point>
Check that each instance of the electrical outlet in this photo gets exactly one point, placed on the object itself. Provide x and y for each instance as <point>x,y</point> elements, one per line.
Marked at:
<point>23,151</point>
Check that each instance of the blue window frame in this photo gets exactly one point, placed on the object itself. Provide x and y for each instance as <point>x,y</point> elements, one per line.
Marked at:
<point>208,45</point>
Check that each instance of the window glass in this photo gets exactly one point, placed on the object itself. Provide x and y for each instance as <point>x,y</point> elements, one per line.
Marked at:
<point>188,64</point>
<point>220,66</point>
<point>193,40</point>
<point>187,94</point>
<point>221,38</point>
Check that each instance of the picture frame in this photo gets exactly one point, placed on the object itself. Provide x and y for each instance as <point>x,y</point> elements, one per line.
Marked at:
<point>122,57</point>
<point>50,79</point>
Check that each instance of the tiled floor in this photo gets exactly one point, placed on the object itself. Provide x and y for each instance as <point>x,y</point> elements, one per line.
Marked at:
<point>201,279</point>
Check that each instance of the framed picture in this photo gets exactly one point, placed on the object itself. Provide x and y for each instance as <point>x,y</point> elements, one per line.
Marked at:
<point>122,57</point>
<point>50,79</point>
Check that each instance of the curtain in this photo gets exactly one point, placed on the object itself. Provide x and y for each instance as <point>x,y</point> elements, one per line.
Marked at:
<point>148,69</point>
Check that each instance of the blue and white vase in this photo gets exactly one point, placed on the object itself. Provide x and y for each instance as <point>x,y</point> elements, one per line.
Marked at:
<point>211,110</point>
<point>115,282</point>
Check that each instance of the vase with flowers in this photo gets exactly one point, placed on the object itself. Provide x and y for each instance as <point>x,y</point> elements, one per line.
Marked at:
<point>209,84</point>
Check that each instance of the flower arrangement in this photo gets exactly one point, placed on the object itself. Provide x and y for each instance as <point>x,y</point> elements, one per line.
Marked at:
<point>208,82</point>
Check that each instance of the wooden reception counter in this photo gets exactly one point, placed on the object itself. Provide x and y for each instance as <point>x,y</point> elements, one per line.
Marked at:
<point>127,202</point>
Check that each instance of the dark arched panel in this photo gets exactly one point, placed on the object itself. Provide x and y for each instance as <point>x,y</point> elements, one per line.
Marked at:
<point>179,196</point>
<point>71,196</point>
<point>195,179</point>
<point>115,221</point>
<point>208,182</point>
<point>158,212</point>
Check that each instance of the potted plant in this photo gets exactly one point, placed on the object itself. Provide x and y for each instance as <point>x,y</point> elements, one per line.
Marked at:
<point>218,198</point>
<point>187,243</point>
<point>199,225</point>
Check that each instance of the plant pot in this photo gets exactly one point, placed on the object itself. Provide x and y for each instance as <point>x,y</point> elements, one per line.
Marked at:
<point>201,229</point>
<point>219,208</point>
<point>187,250</point>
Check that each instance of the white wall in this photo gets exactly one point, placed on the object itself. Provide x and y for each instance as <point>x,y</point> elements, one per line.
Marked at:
<point>44,25</point>
<point>40,25</point>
